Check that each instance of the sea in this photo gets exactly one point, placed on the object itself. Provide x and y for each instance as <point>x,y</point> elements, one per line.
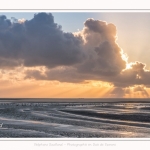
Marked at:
<point>75,118</point>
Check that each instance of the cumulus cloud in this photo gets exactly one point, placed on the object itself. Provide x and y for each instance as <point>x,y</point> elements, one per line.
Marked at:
<point>38,42</point>
<point>89,54</point>
<point>136,75</point>
<point>104,54</point>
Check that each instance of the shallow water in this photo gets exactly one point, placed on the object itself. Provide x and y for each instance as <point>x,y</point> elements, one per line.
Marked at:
<point>75,120</point>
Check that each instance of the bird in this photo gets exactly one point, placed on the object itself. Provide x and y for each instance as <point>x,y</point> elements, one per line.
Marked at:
<point>1,125</point>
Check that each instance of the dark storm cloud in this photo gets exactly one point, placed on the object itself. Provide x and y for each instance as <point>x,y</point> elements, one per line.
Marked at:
<point>63,75</point>
<point>39,42</point>
<point>4,23</point>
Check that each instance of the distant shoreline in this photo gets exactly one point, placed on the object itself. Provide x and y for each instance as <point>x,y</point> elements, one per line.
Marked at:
<point>76,100</point>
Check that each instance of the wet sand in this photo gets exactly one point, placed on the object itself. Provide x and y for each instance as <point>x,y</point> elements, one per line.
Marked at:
<point>75,120</point>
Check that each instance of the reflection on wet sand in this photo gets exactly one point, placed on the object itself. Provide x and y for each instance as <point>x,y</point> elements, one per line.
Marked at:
<point>86,119</point>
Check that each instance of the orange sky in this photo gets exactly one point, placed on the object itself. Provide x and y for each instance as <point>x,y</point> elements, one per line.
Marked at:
<point>56,89</point>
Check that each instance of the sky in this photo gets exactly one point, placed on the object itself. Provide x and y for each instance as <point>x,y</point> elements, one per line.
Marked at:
<point>74,54</point>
